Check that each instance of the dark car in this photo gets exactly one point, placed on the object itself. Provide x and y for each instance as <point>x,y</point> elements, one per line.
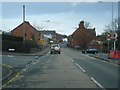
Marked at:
<point>55,48</point>
<point>91,50</point>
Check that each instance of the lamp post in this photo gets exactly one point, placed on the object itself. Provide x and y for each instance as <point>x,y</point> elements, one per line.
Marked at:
<point>114,45</point>
<point>113,31</point>
<point>42,33</point>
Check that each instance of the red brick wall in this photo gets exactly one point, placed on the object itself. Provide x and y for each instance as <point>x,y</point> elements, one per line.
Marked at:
<point>28,31</point>
<point>81,37</point>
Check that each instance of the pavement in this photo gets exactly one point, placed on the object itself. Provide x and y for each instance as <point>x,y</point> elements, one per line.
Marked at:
<point>42,52</point>
<point>104,56</point>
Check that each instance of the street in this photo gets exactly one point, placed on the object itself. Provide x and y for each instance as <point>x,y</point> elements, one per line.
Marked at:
<point>70,69</point>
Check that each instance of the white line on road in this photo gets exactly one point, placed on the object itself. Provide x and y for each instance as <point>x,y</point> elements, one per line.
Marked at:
<point>8,74</point>
<point>97,83</point>
<point>71,59</point>
<point>9,55</point>
<point>88,56</point>
<point>80,67</point>
<point>24,69</point>
<point>36,57</point>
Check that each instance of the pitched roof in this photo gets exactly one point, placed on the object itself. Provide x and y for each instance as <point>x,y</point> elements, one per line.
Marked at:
<point>92,31</point>
<point>25,22</point>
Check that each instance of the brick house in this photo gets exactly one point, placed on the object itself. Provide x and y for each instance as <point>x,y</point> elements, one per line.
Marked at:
<point>30,33</point>
<point>82,36</point>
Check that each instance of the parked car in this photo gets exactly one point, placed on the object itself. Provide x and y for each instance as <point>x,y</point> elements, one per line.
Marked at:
<point>91,50</point>
<point>55,48</point>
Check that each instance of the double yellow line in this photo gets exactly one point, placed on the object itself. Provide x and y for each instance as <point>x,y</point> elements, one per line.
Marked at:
<point>10,79</point>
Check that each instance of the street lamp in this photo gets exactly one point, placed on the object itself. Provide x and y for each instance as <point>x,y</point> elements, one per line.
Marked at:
<point>42,33</point>
<point>42,23</point>
<point>113,31</point>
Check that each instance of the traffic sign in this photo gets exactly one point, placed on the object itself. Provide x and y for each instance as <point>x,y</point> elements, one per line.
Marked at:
<point>41,41</point>
<point>112,35</point>
<point>115,35</point>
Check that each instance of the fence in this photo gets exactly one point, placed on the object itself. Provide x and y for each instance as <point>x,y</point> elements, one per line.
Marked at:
<point>18,46</point>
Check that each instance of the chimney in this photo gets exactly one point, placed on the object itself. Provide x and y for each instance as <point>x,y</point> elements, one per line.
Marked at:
<point>81,25</point>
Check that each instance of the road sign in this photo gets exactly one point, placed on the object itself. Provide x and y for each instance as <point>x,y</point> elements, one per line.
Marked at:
<point>115,35</point>
<point>112,35</point>
<point>108,39</point>
<point>41,41</point>
<point>112,39</point>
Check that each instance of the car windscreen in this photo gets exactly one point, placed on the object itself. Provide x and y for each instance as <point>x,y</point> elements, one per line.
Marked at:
<point>55,46</point>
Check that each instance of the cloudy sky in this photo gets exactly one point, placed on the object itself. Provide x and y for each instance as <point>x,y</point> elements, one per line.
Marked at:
<point>64,17</point>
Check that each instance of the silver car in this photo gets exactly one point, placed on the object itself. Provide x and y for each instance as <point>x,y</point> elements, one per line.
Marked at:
<point>55,48</point>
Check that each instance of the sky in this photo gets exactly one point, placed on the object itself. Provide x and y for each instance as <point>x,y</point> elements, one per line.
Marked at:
<point>63,17</point>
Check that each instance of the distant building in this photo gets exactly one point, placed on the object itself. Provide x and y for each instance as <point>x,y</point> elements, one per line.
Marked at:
<point>26,30</point>
<point>82,36</point>
<point>49,33</point>
<point>69,38</point>
<point>59,37</point>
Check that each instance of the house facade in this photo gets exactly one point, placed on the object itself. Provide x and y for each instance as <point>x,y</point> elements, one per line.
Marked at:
<point>27,31</point>
<point>82,36</point>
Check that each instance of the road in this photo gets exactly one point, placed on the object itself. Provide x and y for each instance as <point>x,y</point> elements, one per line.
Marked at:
<point>104,72</point>
<point>70,69</point>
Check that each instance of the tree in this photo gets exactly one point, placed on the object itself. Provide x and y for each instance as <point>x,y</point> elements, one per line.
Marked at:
<point>114,27</point>
<point>88,25</point>
<point>118,40</point>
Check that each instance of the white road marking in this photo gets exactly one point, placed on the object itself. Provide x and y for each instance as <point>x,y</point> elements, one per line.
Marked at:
<point>89,56</point>
<point>9,55</point>
<point>8,74</point>
<point>80,67</point>
<point>24,69</point>
<point>21,76</point>
<point>36,57</point>
<point>34,62</point>
<point>71,59</point>
<point>97,83</point>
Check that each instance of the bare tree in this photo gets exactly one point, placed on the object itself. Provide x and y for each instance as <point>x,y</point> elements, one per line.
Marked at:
<point>113,26</point>
<point>88,25</point>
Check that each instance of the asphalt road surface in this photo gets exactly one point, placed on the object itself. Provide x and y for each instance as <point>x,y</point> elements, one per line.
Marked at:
<point>70,69</point>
